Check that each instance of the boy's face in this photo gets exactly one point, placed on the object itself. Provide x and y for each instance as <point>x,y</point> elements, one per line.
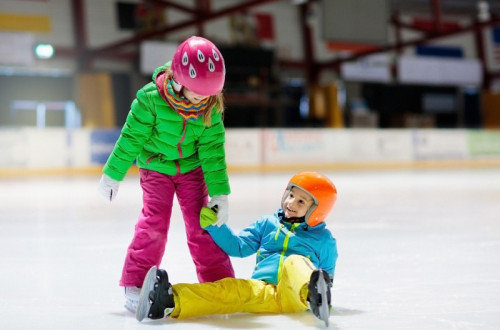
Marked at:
<point>192,96</point>
<point>297,203</point>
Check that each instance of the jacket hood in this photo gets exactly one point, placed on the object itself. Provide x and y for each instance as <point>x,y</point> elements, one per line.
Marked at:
<point>161,69</point>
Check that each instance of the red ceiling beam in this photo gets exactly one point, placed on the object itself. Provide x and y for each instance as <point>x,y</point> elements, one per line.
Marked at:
<point>79,32</point>
<point>79,26</point>
<point>335,64</point>
<point>170,28</point>
<point>307,42</point>
<point>427,26</point>
<point>204,7</point>
<point>437,15</point>
<point>480,49</point>
<point>397,33</point>
<point>65,51</point>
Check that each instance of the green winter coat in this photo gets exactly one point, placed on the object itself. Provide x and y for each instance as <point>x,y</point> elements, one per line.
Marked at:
<point>161,140</point>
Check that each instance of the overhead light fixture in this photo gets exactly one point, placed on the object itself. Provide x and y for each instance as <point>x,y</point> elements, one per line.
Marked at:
<point>44,51</point>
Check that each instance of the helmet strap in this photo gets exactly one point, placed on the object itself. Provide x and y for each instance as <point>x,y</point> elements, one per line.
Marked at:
<point>295,219</point>
<point>177,87</point>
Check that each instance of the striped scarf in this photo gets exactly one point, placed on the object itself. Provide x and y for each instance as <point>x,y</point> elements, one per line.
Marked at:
<point>182,105</point>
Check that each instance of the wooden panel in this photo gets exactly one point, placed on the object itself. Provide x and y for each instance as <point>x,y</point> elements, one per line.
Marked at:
<point>317,102</point>
<point>491,109</point>
<point>95,99</point>
<point>334,118</point>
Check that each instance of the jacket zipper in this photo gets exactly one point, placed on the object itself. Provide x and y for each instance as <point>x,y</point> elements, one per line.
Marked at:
<point>179,149</point>
<point>285,245</point>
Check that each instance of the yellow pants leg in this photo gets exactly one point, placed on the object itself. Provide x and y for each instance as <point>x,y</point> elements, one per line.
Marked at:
<point>232,295</point>
<point>225,296</point>
<point>292,287</point>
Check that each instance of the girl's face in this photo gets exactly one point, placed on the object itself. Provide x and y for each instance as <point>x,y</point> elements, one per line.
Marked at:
<point>297,203</point>
<point>192,96</point>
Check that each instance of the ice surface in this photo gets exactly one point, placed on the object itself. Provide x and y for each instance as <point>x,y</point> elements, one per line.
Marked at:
<point>418,249</point>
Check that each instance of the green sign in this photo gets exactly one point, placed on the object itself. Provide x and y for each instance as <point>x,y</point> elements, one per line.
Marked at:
<point>484,143</point>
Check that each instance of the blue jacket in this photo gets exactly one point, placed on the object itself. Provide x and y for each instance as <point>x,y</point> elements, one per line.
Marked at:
<point>273,240</point>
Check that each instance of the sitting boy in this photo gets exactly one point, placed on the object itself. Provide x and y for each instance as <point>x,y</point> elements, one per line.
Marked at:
<point>296,256</point>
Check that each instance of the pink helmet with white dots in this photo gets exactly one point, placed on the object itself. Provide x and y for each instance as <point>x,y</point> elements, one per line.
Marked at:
<point>198,65</point>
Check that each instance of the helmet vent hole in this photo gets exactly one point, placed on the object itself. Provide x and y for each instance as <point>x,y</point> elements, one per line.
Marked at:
<point>211,66</point>
<point>216,55</point>
<point>192,71</point>
<point>185,59</point>
<point>201,57</point>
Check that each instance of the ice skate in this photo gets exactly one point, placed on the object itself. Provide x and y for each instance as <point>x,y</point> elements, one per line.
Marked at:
<point>156,300</point>
<point>319,295</point>
<point>132,294</point>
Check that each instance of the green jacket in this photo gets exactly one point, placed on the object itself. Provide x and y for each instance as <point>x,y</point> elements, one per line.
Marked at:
<point>161,140</point>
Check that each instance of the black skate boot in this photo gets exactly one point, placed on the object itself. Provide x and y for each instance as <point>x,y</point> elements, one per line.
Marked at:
<point>156,300</point>
<point>319,296</point>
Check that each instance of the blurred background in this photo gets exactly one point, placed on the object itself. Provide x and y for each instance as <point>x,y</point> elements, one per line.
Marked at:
<point>398,101</point>
<point>317,83</point>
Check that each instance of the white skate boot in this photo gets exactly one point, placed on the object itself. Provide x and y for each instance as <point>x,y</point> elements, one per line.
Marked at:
<point>132,298</point>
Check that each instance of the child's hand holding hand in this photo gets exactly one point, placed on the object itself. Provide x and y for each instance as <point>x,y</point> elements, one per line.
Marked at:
<point>208,217</point>
<point>221,202</point>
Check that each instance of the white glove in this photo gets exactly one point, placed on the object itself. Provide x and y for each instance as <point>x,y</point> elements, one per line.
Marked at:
<point>108,187</point>
<point>222,204</point>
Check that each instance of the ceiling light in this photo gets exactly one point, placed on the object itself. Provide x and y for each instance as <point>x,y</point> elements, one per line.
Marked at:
<point>44,51</point>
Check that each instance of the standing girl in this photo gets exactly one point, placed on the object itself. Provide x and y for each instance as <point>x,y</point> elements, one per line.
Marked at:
<point>175,132</point>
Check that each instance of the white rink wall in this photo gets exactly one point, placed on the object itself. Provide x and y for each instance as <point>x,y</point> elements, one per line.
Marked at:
<point>58,149</point>
<point>338,148</point>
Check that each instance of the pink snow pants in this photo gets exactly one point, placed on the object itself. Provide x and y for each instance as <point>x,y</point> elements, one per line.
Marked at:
<point>151,230</point>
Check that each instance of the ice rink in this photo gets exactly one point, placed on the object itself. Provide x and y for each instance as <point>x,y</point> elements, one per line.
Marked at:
<point>418,249</point>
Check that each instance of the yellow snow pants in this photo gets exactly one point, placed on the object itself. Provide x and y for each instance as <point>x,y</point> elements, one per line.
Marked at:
<point>233,295</point>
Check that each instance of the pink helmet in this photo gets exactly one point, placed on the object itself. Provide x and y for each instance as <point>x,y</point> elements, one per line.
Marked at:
<point>198,65</point>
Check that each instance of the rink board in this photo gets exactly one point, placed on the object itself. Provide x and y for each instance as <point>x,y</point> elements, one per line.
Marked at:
<point>57,149</point>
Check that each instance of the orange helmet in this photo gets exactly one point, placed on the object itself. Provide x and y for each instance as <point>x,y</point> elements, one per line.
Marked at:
<point>322,191</point>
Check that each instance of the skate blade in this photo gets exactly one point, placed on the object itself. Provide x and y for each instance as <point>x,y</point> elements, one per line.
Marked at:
<point>148,285</point>
<point>324,310</point>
